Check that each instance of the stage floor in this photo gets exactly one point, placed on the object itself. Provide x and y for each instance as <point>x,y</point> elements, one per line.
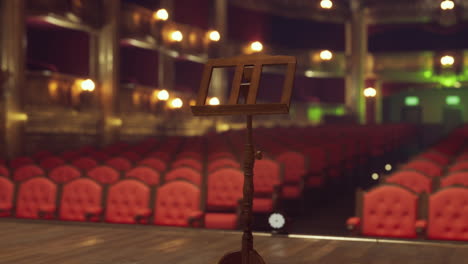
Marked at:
<point>37,242</point>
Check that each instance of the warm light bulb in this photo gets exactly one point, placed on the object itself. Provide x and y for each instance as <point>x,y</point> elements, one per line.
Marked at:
<point>213,101</point>
<point>375,176</point>
<point>370,92</point>
<point>388,167</point>
<point>326,55</point>
<point>447,5</point>
<point>214,35</point>
<point>163,95</point>
<point>326,4</point>
<point>88,85</point>
<point>177,36</point>
<point>161,14</point>
<point>177,103</point>
<point>447,60</point>
<point>309,73</point>
<point>256,46</point>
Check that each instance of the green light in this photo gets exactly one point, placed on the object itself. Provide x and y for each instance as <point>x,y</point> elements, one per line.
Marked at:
<point>339,111</point>
<point>314,114</point>
<point>411,101</point>
<point>427,74</point>
<point>452,100</point>
<point>448,81</point>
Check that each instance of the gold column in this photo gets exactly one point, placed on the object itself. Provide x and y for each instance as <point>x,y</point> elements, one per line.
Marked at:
<point>12,55</point>
<point>356,55</point>
<point>166,65</point>
<point>104,68</point>
<point>378,102</point>
<point>219,77</point>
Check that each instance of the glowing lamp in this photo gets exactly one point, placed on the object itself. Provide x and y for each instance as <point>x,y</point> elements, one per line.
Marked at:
<point>309,74</point>
<point>326,4</point>
<point>88,85</point>
<point>375,176</point>
<point>163,95</point>
<point>213,101</point>
<point>177,103</point>
<point>177,36</point>
<point>214,35</point>
<point>452,100</point>
<point>411,101</point>
<point>278,223</point>
<point>447,60</point>
<point>447,5</point>
<point>326,55</point>
<point>370,92</point>
<point>256,46</point>
<point>388,167</point>
<point>161,14</point>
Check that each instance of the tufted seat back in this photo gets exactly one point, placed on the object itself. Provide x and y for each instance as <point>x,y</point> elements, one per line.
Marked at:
<point>119,163</point>
<point>161,155</point>
<point>455,178</point>
<point>49,163</point>
<point>85,163</point>
<point>437,157</point>
<point>7,189</point>
<point>64,173</point>
<point>131,156</point>
<point>175,202</point>
<point>225,188</point>
<point>145,174</point>
<point>79,197</point>
<point>155,163</point>
<point>27,172</point>
<point>294,166</point>
<point>223,163</point>
<point>190,154</point>
<point>125,200</point>
<point>429,168</point>
<point>413,180</point>
<point>187,162</point>
<point>266,175</point>
<point>104,174</point>
<point>4,171</point>
<point>459,166</point>
<point>448,214</point>
<point>35,195</point>
<point>21,161</point>
<point>389,211</point>
<point>215,155</point>
<point>185,173</point>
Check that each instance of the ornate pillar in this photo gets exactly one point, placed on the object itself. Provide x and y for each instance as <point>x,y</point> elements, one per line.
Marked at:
<point>166,65</point>
<point>12,76</point>
<point>356,56</point>
<point>104,68</point>
<point>219,77</point>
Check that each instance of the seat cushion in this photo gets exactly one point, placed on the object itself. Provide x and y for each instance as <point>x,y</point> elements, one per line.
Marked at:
<point>315,181</point>
<point>221,220</point>
<point>262,205</point>
<point>291,192</point>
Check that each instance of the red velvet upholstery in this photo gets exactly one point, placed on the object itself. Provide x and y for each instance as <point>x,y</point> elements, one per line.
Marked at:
<point>80,197</point>
<point>131,156</point>
<point>7,190</point>
<point>427,167</point>
<point>85,163</point>
<point>389,211</point>
<point>291,191</point>
<point>187,162</point>
<point>266,176</point>
<point>448,214</point>
<point>70,154</point>
<point>220,155</point>
<point>4,171</point>
<point>21,161</point>
<point>64,173</point>
<point>294,166</point>
<point>185,173</point>
<point>119,163</point>
<point>51,162</point>
<point>315,181</point>
<point>155,163</point>
<point>223,163</point>
<point>145,174</point>
<point>187,154</point>
<point>225,188</point>
<point>318,159</point>
<point>27,172</point>
<point>163,156</point>
<point>455,178</point>
<point>104,174</point>
<point>42,154</point>
<point>175,203</point>
<point>262,205</point>
<point>100,156</point>
<point>36,195</point>
<point>126,200</point>
<point>437,157</point>
<point>459,166</point>
<point>413,180</point>
<point>221,221</point>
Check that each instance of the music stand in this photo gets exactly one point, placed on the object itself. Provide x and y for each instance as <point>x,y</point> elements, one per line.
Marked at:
<point>248,70</point>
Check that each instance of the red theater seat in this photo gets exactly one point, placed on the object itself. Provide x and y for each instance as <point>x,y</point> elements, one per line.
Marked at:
<point>176,203</point>
<point>51,162</point>
<point>455,178</point>
<point>439,158</point>
<point>119,163</point>
<point>7,191</point>
<point>223,163</point>
<point>163,156</point>
<point>185,173</point>
<point>128,202</point>
<point>317,166</point>
<point>459,166</point>
<point>42,154</point>
<point>26,172</point>
<point>131,156</point>
<point>190,155</point>
<point>21,161</point>
<point>413,180</point>
<point>104,174</point>
<point>85,163</point>
<point>428,167</point>
<point>64,174</point>
<point>100,156</point>
<point>36,199</point>
<point>294,165</point>
<point>267,184</point>
<point>220,155</point>
<point>387,211</point>
<point>448,215</point>
<point>4,171</point>
<point>187,162</point>
<point>81,200</point>
<point>155,163</point>
<point>145,174</point>
<point>70,154</point>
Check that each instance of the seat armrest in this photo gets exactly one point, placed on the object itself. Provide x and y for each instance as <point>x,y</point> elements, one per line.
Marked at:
<point>196,219</point>
<point>420,226</point>
<point>143,214</point>
<point>93,213</point>
<point>353,223</point>
<point>47,212</point>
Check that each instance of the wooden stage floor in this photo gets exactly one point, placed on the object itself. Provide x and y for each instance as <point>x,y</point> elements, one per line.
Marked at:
<point>37,242</point>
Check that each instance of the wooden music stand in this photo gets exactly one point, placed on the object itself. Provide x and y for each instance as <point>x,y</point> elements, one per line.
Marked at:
<point>246,83</point>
